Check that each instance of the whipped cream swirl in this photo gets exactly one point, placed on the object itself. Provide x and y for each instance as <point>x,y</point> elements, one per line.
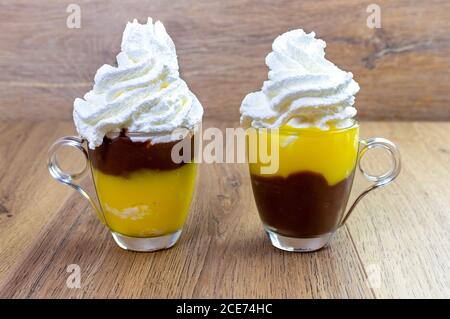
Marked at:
<point>304,88</point>
<point>144,93</point>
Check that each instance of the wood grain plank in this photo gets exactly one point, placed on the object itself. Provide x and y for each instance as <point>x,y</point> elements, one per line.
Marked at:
<point>403,68</point>
<point>223,253</point>
<point>225,256</point>
<point>28,196</point>
<point>402,233</point>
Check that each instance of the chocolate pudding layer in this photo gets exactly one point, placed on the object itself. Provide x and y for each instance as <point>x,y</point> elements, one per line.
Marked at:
<point>121,156</point>
<point>302,204</point>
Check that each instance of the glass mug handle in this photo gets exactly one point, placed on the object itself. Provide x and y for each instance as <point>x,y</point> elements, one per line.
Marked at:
<point>67,178</point>
<point>378,180</point>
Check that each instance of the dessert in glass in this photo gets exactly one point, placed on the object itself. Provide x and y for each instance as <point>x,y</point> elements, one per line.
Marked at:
<point>128,126</point>
<point>306,106</point>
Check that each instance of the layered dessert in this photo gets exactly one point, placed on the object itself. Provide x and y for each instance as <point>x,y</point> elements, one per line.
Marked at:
<point>129,119</point>
<point>143,193</point>
<point>307,103</point>
<point>307,196</point>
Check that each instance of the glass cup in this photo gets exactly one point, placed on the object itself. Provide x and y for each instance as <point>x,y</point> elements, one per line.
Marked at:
<point>303,202</point>
<point>142,195</point>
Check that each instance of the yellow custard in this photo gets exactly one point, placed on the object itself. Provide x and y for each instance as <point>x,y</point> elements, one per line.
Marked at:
<point>331,153</point>
<point>146,203</point>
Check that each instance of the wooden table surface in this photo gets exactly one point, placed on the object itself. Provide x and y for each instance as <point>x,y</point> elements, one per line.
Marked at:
<point>395,245</point>
<point>397,242</point>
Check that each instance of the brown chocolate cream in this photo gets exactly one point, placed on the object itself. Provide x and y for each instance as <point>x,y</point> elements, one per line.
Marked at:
<point>121,156</point>
<point>302,204</point>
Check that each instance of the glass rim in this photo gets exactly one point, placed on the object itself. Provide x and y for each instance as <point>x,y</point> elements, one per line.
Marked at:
<point>178,130</point>
<point>309,130</point>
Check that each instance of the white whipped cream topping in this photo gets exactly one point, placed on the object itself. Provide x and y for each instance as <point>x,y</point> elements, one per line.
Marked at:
<point>304,88</point>
<point>144,93</point>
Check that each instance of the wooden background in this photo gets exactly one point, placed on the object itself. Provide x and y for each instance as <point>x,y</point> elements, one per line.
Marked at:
<point>400,233</point>
<point>403,68</point>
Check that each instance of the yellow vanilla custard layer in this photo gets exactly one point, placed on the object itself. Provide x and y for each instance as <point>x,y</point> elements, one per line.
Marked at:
<point>331,153</point>
<point>146,203</point>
